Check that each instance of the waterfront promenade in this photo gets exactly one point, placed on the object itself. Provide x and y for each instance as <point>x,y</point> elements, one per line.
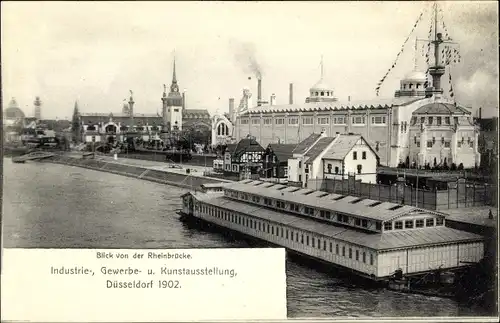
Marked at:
<point>173,171</point>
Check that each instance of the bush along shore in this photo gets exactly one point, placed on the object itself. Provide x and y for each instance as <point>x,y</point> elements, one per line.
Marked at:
<point>164,177</point>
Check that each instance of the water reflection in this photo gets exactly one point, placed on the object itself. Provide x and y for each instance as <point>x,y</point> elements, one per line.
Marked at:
<point>55,206</point>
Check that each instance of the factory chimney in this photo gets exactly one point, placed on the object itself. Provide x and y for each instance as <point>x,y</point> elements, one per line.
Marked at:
<point>231,110</point>
<point>479,116</point>
<point>259,92</point>
<point>290,94</point>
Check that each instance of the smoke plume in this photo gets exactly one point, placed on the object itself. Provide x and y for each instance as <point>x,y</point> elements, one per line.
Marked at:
<point>245,56</point>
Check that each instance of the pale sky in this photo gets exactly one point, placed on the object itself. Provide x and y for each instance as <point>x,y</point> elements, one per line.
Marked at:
<point>95,52</point>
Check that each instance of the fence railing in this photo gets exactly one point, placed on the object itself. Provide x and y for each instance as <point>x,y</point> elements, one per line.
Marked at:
<point>462,194</point>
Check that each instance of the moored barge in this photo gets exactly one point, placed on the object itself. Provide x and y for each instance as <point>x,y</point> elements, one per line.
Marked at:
<point>372,239</point>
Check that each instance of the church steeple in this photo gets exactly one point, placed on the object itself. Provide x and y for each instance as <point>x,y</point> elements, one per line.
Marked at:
<point>174,77</point>
<point>174,88</point>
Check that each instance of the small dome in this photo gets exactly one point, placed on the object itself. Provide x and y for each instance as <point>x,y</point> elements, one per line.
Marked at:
<point>415,76</point>
<point>14,113</point>
<point>440,108</point>
<point>13,103</point>
<point>321,86</point>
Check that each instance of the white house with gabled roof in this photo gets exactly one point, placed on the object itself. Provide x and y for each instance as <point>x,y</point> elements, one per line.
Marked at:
<point>350,154</point>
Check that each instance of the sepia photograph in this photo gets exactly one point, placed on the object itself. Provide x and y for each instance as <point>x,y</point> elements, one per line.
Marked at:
<point>359,137</point>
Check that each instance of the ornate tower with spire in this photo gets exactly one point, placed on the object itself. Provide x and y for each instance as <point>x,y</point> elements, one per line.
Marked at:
<point>437,70</point>
<point>173,105</point>
<point>165,127</point>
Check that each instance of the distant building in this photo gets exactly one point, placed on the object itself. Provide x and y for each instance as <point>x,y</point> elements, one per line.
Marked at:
<point>339,157</point>
<point>442,134</point>
<point>14,121</point>
<point>275,161</point>
<point>222,130</point>
<point>384,123</point>
<point>175,118</point>
<point>243,159</point>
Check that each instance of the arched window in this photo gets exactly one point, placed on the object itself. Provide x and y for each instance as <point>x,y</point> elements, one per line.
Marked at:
<point>227,130</point>
<point>322,93</point>
<point>316,93</point>
<point>410,86</point>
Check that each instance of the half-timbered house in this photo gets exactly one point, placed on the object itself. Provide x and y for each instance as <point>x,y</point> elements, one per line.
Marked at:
<point>244,158</point>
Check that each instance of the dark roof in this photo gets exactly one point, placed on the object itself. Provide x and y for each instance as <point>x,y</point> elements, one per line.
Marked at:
<point>230,148</point>
<point>283,152</point>
<point>139,119</point>
<point>441,108</point>
<point>13,113</point>
<point>191,113</point>
<point>377,103</point>
<point>248,145</point>
<point>318,148</point>
<point>306,143</point>
<point>375,241</point>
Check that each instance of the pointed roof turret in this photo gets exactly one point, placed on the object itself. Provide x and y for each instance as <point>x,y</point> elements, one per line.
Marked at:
<point>321,91</point>
<point>174,88</point>
<point>174,77</point>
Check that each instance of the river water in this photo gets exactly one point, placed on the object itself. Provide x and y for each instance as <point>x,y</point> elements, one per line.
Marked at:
<point>56,206</point>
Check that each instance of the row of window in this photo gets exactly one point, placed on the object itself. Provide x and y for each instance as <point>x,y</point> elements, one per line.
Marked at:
<point>355,155</point>
<point>359,169</point>
<point>444,143</point>
<point>338,217</point>
<point>404,127</point>
<point>335,217</point>
<point>288,234</point>
<point>439,120</point>
<point>410,224</point>
<point>320,120</point>
<point>322,93</point>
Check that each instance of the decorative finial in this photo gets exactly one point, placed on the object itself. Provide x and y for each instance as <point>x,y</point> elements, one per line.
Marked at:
<point>131,93</point>
<point>174,77</point>
<point>321,66</point>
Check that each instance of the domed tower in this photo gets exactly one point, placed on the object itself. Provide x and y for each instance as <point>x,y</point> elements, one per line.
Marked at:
<point>38,108</point>
<point>13,114</point>
<point>321,92</point>
<point>412,85</point>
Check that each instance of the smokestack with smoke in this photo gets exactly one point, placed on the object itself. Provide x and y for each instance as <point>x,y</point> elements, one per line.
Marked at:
<point>245,57</point>
<point>290,94</point>
<point>259,92</point>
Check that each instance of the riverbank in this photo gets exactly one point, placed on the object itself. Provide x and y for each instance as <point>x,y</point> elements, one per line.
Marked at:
<point>189,177</point>
<point>205,160</point>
